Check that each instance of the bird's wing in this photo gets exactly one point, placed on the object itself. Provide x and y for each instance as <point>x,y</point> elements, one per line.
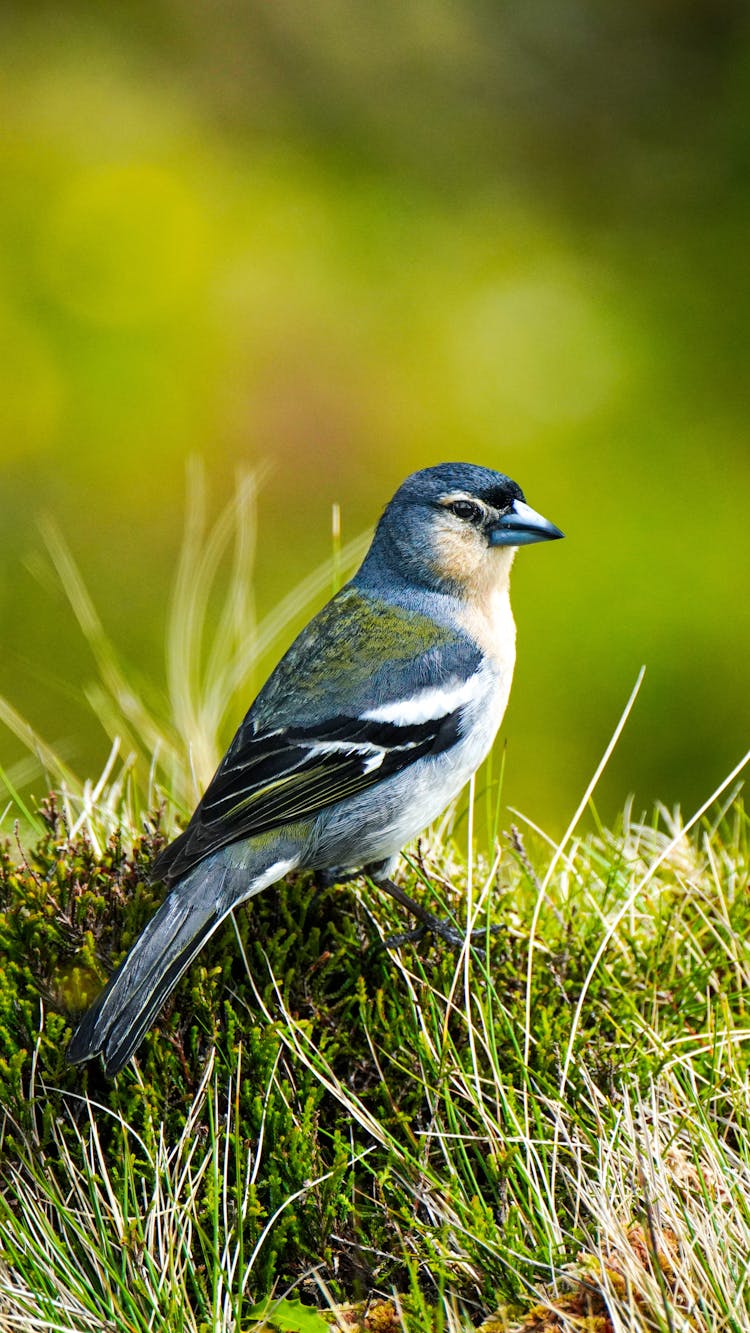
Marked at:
<point>364,691</point>
<point>287,775</point>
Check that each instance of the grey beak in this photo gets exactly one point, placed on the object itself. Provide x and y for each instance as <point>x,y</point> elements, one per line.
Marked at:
<point>521,526</point>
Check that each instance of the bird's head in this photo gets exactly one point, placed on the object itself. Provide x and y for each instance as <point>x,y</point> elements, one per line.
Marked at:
<point>457,526</point>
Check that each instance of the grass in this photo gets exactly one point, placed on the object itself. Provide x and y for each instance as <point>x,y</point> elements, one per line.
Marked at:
<point>554,1136</point>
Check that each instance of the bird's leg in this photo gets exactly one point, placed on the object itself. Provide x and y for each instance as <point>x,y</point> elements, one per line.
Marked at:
<point>380,874</point>
<point>327,879</point>
<point>429,922</point>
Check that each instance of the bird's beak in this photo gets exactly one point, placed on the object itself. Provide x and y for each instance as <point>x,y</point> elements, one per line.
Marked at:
<point>521,526</point>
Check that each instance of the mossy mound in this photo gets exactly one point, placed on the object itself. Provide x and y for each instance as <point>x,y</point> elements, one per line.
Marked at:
<point>381,1120</point>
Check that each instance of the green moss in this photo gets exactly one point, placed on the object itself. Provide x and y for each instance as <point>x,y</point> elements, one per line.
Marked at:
<point>68,914</point>
<point>389,1039</point>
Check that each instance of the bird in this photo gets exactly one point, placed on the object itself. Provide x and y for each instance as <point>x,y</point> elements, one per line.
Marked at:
<point>370,725</point>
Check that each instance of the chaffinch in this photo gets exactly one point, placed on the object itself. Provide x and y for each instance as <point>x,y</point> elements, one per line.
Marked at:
<point>369,726</point>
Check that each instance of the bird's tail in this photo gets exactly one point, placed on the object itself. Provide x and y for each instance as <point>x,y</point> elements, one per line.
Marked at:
<point>129,1003</point>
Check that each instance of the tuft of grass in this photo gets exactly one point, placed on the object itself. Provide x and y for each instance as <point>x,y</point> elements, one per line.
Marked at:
<point>550,1135</point>
<point>166,742</point>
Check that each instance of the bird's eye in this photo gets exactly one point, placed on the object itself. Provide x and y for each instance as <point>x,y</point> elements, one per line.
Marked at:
<point>466,509</point>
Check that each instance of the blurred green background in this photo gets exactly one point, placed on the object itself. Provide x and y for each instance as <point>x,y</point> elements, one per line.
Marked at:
<point>352,240</point>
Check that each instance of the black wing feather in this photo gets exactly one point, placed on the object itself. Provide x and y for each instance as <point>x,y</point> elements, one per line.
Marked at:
<point>280,777</point>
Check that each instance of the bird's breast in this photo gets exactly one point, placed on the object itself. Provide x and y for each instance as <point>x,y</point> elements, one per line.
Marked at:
<point>488,620</point>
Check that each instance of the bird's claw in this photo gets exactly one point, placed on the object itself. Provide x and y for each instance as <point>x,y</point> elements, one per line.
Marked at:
<point>449,934</point>
<point>429,922</point>
<point>405,937</point>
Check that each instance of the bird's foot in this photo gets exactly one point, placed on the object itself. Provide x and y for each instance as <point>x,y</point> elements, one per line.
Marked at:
<point>404,937</point>
<point>430,924</point>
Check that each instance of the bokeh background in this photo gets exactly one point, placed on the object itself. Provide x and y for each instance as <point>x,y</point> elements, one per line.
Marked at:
<point>355,239</point>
